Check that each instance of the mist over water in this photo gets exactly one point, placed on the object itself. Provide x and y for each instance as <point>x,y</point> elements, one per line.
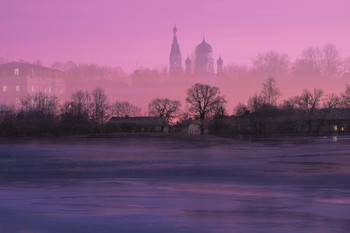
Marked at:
<point>175,184</point>
<point>258,56</point>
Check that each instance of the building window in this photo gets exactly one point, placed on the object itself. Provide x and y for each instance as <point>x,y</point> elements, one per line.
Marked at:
<point>49,89</point>
<point>32,88</point>
<point>16,71</point>
<point>17,88</point>
<point>17,101</point>
<point>4,88</point>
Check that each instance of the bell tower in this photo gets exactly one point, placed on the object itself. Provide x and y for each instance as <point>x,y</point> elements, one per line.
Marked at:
<point>175,56</point>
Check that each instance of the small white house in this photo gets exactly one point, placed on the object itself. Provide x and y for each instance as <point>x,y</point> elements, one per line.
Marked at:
<point>194,129</point>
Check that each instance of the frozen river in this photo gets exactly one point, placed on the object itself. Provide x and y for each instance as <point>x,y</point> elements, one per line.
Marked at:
<point>173,184</point>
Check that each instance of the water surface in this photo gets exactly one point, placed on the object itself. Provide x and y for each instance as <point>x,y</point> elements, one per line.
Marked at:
<point>174,184</point>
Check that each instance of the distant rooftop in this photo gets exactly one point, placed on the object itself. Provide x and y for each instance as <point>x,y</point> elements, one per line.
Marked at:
<point>26,69</point>
<point>134,118</point>
<point>26,65</point>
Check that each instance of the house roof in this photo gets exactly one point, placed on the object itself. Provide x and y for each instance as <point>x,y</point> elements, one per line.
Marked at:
<point>26,65</point>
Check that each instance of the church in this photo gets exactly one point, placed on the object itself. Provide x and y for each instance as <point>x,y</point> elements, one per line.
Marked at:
<point>203,61</point>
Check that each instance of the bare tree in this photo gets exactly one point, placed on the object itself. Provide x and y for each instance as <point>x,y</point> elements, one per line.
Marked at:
<point>8,121</point>
<point>40,104</point>
<point>255,103</point>
<point>124,109</point>
<point>219,112</point>
<point>100,105</point>
<point>240,109</point>
<point>270,92</point>
<point>235,70</point>
<point>310,63</point>
<point>332,101</point>
<point>78,108</point>
<point>331,60</point>
<point>345,65</point>
<point>146,77</point>
<point>271,63</point>
<point>203,100</point>
<point>308,101</point>
<point>165,109</point>
<point>345,96</point>
<point>6,111</point>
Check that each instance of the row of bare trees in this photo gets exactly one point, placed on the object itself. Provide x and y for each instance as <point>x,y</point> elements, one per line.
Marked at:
<point>304,106</point>
<point>307,101</point>
<point>203,102</point>
<point>313,62</point>
<point>87,112</point>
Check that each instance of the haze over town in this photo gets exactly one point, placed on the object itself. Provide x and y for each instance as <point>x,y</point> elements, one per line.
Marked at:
<point>128,42</point>
<point>174,116</point>
<point>135,35</point>
<point>126,33</point>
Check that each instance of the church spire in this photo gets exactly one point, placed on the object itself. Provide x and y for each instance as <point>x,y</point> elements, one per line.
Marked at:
<point>175,55</point>
<point>175,30</point>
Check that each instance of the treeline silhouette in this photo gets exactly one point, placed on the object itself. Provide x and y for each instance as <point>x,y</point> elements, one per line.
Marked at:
<point>88,112</point>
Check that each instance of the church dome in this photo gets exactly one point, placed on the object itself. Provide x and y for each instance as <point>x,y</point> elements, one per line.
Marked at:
<point>204,48</point>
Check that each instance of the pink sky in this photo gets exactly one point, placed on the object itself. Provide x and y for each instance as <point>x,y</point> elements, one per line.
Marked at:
<point>130,32</point>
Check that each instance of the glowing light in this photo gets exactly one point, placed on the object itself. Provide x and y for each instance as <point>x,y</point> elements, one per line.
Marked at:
<point>335,127</point>
<point>4,88</point>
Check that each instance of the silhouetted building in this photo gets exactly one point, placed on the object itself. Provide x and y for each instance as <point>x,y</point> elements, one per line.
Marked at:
<point>204,61</point>
<point>175,56</point>
<point>135,124</point>
<point>220,64</point>
<point>19,79</point>
<point>188,64</point>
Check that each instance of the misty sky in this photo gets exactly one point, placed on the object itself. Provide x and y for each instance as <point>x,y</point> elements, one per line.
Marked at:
<point>138,32</point>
